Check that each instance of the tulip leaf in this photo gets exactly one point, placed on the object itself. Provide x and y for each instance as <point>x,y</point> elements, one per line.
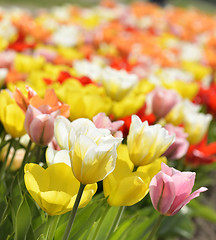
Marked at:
<point>141,227</point>
<point>41,237</point>
<point>30,234</point>
<point>200,210</point>
<point>177,225</point>
<point>122,230</point>
<point>6,228</point>
<point>85,217</point>
<point>23,220</point>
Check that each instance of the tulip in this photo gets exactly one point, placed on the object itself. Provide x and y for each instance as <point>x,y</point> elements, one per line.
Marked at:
<point>180,146</point>
<point>39,125</point>
<point>196,125</point>
<point>124,186</point>
<point>146,143</point>
<point>50,99</point>
<point>170,190</point>
<point>102,121</point>
<point>92,150</point>
<point>118,83</point>
<point>11,115</point>
<point>163,101</point>
<point>201,153</point>
<point>55,188</point>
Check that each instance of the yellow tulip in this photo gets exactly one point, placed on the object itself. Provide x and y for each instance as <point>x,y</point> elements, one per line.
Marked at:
<point>146,143</point>
<point>125,187</point>
<point>27,64</point>
<point>185,89</point>
<point>127,106</point>
<point>11,116</point>
<point>85,101</point>
<point>55,188</point>
<point>198,70</point>
<point>196,125</point>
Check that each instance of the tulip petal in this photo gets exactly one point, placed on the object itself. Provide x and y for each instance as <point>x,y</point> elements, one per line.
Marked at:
<point>53,156</point>
<point>136,190</point>
<point>188,199</point>
<point>61,129</point>
<point>162,192</point>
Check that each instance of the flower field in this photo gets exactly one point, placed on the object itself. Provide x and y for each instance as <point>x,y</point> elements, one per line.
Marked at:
<point>107,122</point>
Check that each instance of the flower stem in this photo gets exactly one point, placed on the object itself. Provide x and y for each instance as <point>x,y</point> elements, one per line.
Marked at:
<point>4,164</point>
<point>73,212</point>
<point>52,227</point>
<point>100,222</point>
<point>26,153</point>
<point>155,228</point>
<point>116,221</point>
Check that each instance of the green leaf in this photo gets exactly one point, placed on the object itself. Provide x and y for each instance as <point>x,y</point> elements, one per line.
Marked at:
<point>23,220</point>
<point>6,228</point>
<point>177,225</point>
<point>41,237</point>
<point>122,230</point>
<point>30,234</point>
<point>203,211</point>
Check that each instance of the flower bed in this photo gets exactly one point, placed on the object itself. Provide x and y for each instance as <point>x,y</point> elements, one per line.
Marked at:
<point>95,104</point>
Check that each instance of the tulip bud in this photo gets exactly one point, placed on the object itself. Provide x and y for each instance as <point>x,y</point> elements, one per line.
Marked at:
<point>39,126</point>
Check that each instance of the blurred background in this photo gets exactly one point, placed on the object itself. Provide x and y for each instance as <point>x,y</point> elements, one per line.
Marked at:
<point>205,5</point>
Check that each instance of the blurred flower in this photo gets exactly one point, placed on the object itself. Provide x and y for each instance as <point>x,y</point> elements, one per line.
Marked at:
<point>180,146</point>
<point>11,115</point>
<point>170,190</point>
<point>85,101</point>
<point>17,161</point>
<point>92,150</point>
<point>146,143</point>
<point>163,101</point>
<point>55,188</point>
<point>102,121</point>
<point>201,153</point>
<point>117,83</point>
<point>196,125</point>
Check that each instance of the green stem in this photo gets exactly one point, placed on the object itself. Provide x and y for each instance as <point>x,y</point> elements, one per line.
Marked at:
<point>53,223</point>
<point>4,164</point>
<point>3,136</point>
<point>73,212</point>
<point>38,151</point>
<point>116,221</point>
<point>100,223</point>
<point>26,153</point>
<point>155,228</point>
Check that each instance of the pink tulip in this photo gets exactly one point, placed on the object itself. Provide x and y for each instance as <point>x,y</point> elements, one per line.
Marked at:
<point>180,146</point>
<point>163,100</point>
<point>102,121</point>
<point>39,124</point>
<point>170,190</point>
